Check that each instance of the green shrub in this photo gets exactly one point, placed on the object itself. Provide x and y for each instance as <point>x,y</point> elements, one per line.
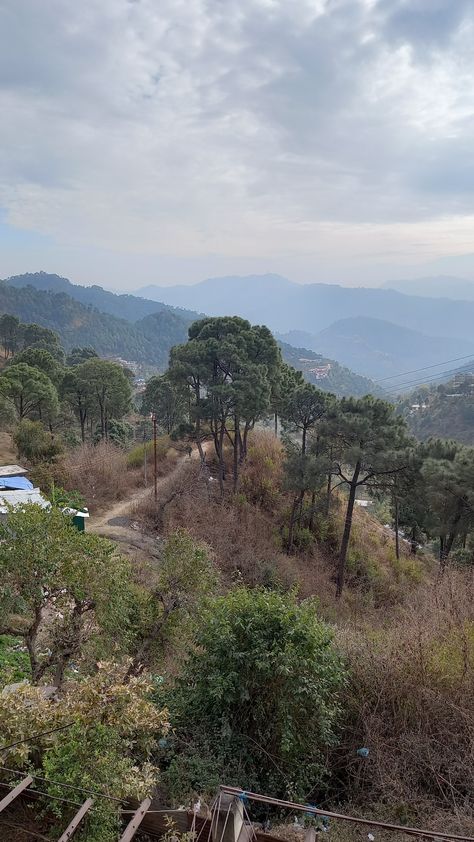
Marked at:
<point>136,457</point>
<point>259,697</point>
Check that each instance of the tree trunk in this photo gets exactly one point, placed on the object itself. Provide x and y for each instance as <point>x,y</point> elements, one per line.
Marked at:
<point>347,531</point>
<point>236,453</point>
<point>328,494</point>
<point>82,421</point>
<point>276,424</point>
<point>291,526</point>
<point>313,506</point>
<point>31,641</point>
<point>397,537</point>
<point>413,542</point>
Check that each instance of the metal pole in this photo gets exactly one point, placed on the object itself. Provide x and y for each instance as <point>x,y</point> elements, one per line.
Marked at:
<point>155,478</point>
<point>145,453</point>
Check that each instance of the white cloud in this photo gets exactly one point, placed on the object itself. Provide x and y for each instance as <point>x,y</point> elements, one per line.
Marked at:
<point>239,127</point>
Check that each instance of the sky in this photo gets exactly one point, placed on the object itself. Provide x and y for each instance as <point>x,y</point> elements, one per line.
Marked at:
<point>165,141</point>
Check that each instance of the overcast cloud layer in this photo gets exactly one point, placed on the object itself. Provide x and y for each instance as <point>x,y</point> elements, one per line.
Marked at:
<point>164,140</point>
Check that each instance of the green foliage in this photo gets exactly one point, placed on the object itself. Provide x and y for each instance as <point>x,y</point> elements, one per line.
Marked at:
<point>166,401</point>
<point>109,747</point>
<point>166,611</point>
<point>260,694</point>
<point>53,579</point>
<point>34,443</point>
<point>64,499</point>
<point>120,432</point>
<point>79,355</point>
<point>43,360</point>
<point>14,663</point>
<point>29,391</point>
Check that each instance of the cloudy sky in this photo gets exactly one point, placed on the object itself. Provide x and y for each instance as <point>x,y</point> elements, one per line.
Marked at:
<point>170,140</point>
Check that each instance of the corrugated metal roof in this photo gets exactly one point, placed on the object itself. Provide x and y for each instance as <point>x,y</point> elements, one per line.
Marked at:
<point>12,471</point>
<point>22,498</point>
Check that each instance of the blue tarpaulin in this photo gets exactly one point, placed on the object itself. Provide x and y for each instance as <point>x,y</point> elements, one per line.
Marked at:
<point>16,483</point>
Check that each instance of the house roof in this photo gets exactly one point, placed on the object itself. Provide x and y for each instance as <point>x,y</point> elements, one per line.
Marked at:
<point>12,471</point>
<point>22,498</point>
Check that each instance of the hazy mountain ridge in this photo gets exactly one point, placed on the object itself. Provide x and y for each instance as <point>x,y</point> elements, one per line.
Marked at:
<point>285,306</point>
<point>147,340</point>
<point>378,348</point>
<point>437,286</point>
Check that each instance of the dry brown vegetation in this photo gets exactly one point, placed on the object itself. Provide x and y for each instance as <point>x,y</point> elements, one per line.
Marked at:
<point>246,534</point>
<point>407,638</point>
<point>104,473</point>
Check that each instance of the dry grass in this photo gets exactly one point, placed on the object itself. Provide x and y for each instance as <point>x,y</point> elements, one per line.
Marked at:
<point>8,454</point>
<point>99,473</point>
<point>411,702</point>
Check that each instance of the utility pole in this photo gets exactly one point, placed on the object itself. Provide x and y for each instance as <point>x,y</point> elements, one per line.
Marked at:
<point>145,453</point>
<point>155,478</point>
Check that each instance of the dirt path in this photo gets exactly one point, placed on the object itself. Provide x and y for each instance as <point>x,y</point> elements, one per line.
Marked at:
<point>117,522</point>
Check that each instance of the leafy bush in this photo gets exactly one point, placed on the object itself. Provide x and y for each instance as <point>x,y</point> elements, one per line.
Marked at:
<point>109,747</point>
<point>34,443</point>
<point>260,694</point>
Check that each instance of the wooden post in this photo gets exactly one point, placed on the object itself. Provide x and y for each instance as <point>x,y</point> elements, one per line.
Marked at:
<point>135,821</point>
<point>26,782</point>
<point>75,821</point>
<point>230,825</point>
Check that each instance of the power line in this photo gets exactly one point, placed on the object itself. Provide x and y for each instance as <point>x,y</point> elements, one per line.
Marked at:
<point>36,736</point>
<point>425,368</point>
<point>65,785</point>
<point>395,387</point>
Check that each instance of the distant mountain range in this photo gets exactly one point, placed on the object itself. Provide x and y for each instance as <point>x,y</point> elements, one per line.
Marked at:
<point>377,348</point>
<point>439,286</point>
<point>138,329</point>
<point>284,305</point>
<point>376,332</point>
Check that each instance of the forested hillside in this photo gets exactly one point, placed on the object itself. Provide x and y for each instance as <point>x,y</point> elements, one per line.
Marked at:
<point>148,340</point>
<point>129,307</point>
<point>444,410</point>
<point>327,374</point>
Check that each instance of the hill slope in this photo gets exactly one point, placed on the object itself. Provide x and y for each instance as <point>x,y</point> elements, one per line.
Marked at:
<point>327,374</point>
<point>377,348</point>
<point>444,411</point>
<point>148,340</point>
<point>129,307</point>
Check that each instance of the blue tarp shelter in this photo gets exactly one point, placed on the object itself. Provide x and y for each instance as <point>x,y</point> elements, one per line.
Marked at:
<point>16,484</point>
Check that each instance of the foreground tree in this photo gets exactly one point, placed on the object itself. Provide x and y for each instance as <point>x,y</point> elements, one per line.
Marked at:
<point>370,446</point>
<point>259,697</point>
<point>61,589</point>
<point>302,413</point>
<point>184,579</point>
